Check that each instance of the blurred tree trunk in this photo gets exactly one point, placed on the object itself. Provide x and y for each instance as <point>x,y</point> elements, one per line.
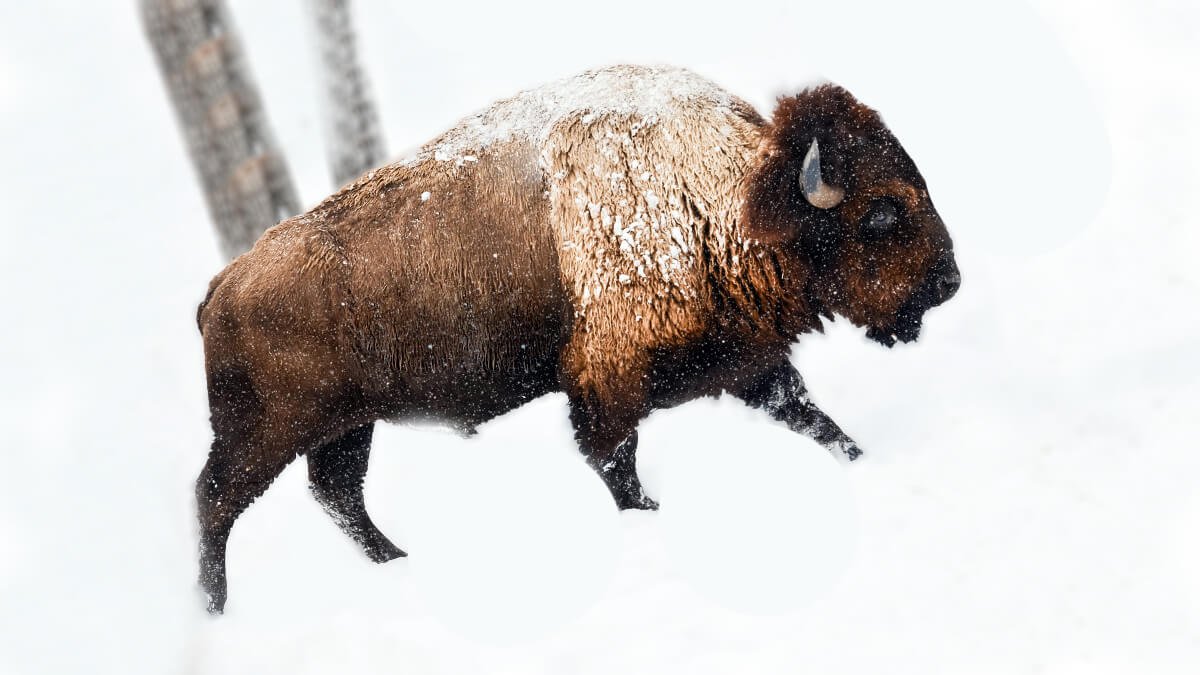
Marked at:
<point>245,179</point>
<point>353,139</point>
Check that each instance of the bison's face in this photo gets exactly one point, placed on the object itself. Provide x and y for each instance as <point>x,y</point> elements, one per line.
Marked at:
<point>893,259</point>
<point>835,188</point>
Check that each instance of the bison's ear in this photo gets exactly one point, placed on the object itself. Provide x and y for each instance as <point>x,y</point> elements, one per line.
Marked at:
<point>802,171</point>
<point>788,187</point>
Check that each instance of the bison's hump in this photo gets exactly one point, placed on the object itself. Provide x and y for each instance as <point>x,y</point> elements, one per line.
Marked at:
<point>652,92</point>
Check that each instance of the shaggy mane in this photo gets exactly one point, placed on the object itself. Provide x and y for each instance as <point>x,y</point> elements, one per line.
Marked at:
<point>841,124</point>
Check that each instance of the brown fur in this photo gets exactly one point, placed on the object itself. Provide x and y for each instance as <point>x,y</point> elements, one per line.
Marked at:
<point>866,281</point>
<point>632,260</point>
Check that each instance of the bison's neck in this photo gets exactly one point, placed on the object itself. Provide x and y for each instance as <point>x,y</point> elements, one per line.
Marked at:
<point>763,286</point>
<point>765,298</point>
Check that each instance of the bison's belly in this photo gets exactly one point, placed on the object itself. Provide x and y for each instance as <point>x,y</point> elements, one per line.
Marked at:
<point>465,336</point>
<point>468,367</point>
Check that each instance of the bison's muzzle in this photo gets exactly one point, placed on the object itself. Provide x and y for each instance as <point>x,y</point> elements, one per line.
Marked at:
<point>940,284</point>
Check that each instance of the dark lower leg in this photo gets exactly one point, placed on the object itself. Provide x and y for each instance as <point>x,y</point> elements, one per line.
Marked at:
<point>607,401</point>
<point>212,565</point>
<point>618,470</point>
<point>225,488</point>
<point>607,437</point>
<point>780,391</point>
<point>335,472</point>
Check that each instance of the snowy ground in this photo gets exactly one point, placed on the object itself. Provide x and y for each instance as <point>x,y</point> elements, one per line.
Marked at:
<point>1027,505</point>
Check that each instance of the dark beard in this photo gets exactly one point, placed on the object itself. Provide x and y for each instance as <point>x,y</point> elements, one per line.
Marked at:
<point>907,326</point>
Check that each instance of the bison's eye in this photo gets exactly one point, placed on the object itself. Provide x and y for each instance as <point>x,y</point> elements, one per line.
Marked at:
<point>880,219</point>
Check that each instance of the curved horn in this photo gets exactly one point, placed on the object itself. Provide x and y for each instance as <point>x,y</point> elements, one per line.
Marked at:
<point>818,193</point>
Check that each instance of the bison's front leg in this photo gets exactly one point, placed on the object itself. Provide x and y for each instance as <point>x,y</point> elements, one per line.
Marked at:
<point>780,392</point>
<point>605,409</point>
<point>619,472</point>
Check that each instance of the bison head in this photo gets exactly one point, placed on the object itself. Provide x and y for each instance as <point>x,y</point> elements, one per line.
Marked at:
<point>833,187</point>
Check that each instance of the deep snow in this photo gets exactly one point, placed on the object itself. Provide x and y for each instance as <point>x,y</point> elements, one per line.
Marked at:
<point>1027,503</point>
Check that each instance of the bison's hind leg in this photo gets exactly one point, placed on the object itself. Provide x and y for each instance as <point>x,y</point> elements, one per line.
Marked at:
<point>335,473</point>
<point>246,456</point>
<point>257,432</point>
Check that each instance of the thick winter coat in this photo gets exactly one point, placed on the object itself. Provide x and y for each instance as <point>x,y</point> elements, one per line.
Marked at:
<point>635,237</point>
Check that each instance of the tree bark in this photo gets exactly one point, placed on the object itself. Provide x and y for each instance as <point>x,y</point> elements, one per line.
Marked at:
<point>353,139</point>
<point>245,179</point>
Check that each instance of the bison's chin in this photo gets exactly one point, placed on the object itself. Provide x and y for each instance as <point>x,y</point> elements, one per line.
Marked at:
<point>906,327</point>
<point>901,332</point>
<point>940,285</point>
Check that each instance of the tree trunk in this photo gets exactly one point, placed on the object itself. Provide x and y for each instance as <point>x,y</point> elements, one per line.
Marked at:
<point>353,139</point>
<point>243,173</point>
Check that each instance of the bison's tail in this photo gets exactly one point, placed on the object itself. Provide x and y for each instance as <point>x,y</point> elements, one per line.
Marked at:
<point>212,288</point>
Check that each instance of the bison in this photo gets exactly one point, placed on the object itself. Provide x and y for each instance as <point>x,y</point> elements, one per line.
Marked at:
<point>634,237</point>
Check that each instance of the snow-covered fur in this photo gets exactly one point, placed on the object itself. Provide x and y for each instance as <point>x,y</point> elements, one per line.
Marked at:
<point>633,236</point>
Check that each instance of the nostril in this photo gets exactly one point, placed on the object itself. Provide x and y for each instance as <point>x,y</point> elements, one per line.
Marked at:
<point>948,285</point>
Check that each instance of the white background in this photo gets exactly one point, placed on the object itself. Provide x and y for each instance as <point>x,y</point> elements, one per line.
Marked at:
<point>1027,504</point>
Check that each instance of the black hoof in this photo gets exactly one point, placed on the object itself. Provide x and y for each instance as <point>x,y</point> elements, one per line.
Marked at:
<point>851,451</point>
<point>385,552</point>
<point>216,603</point>
<point>640,502</point>
<point>213,587</point>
